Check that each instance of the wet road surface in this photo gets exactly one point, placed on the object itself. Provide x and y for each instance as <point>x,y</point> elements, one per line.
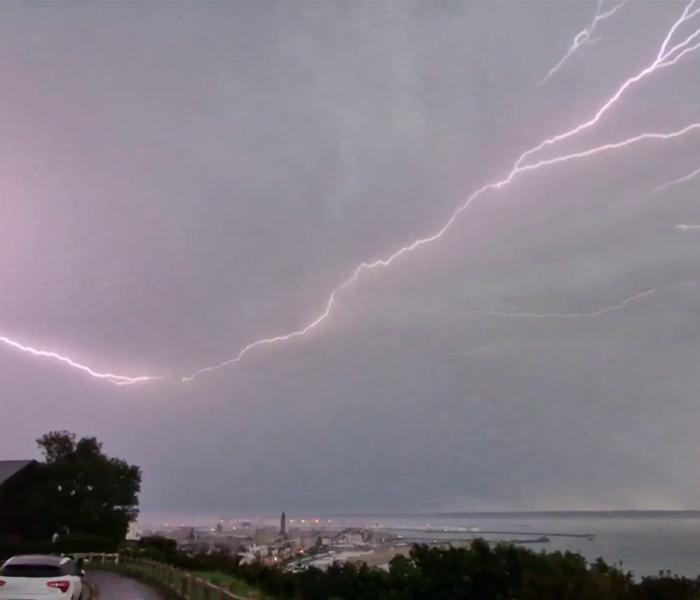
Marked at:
<point>117,587</point>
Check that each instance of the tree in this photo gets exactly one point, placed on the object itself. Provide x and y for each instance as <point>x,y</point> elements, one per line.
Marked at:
<point>83,491</point>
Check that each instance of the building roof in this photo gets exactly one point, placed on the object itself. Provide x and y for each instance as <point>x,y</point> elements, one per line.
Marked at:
<point>8,468</point>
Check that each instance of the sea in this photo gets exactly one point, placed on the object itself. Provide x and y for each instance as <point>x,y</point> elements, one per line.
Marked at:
<point>643,542</point>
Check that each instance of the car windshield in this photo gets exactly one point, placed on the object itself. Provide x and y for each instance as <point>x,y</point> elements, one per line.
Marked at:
<point>30,571</point>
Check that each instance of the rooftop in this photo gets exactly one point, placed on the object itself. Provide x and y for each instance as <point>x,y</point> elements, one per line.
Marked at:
<point>8,468</point>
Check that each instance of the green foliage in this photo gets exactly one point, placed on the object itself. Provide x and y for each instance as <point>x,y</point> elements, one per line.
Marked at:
<point>668,587</point>
<point>165,550</point>
<point>88,491</point>
<point>154,547</point>
<point>229,582</point>
<point>480,571</point>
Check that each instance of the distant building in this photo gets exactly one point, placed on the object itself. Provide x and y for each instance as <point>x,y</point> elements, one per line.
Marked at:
<point>264,536</point>
<point>352,536</point>
<point>17,477</point>
<point>283,525</point>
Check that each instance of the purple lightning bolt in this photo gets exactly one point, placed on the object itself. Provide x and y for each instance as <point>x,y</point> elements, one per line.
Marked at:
<point>667,56</point>
<point>678,181</point>
<point>563,316</point>
<point>427,240</point>
<point>111,377</point>
<point>583,37</point>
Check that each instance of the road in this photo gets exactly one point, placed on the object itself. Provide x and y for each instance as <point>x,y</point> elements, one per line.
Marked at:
<point>117,587</point>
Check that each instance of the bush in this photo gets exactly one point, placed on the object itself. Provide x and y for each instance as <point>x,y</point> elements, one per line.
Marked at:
<point>480,571</point>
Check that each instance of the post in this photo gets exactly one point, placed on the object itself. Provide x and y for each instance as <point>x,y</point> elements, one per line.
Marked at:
<point>189,588</point>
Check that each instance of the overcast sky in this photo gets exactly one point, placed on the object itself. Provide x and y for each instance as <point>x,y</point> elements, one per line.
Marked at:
<point>180,179</point>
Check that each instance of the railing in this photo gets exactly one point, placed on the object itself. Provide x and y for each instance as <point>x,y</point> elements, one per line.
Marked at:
<point>178,582</point>
<point>97,557</point>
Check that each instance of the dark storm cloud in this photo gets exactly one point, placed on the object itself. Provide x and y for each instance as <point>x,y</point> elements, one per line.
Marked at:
<point>180,179</point>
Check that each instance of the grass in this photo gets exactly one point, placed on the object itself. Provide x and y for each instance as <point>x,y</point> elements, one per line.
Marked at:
<point>237,586</point>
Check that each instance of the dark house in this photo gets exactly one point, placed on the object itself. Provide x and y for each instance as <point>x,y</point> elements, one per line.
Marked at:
<point>17,477</point>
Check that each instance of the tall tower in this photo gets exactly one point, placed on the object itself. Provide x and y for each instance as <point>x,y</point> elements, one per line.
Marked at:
<point>283,525</point>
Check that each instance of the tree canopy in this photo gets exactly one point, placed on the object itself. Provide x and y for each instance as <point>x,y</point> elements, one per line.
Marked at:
<point>78,489</point>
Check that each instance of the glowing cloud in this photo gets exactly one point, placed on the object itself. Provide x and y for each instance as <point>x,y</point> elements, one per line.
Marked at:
<point>365,266</point>
<point>666,56</point>
<point>673,49</point>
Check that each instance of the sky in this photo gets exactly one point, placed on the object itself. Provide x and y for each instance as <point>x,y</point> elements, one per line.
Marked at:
<point>182,179</point>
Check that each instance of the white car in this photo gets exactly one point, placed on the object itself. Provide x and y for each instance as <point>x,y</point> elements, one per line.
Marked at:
<point>41,578</point>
